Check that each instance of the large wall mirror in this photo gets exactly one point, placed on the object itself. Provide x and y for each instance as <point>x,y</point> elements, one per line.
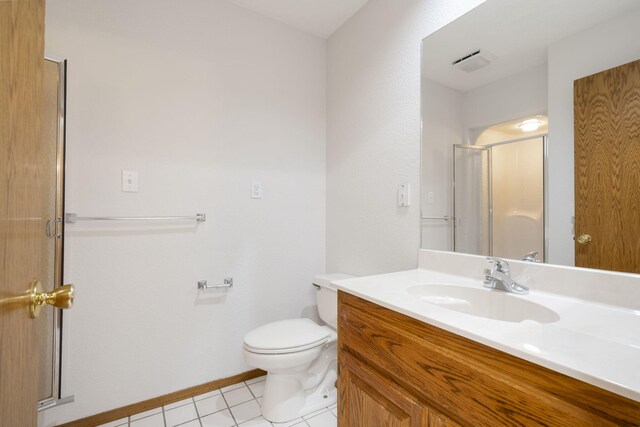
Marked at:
<point>510,91</point>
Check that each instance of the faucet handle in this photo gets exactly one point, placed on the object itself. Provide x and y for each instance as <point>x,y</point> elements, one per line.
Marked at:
<point>489,281</point>
<point>531,257</point>
<point>501,265</point>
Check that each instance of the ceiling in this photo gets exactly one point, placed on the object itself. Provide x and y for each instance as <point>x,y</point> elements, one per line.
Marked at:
<point>317,17</point>
<point>516,32</point>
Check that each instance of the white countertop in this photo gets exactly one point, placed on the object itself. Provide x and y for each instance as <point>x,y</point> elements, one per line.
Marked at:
<point>598,343</point>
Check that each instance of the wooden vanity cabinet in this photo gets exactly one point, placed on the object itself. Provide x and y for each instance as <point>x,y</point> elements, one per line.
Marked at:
<point>397,371</point>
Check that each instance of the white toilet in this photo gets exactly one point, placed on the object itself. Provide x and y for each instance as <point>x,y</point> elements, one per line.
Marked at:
<point>300,358</point>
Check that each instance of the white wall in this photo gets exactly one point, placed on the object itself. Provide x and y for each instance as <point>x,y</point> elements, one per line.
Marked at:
<point>597,49</point>
<point>200,97</point>
<point>441,129</point>
<point>373,132</point>
<point>518,96</point>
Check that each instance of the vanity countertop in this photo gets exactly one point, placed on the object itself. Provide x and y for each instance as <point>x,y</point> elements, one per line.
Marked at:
<point>595,339</point>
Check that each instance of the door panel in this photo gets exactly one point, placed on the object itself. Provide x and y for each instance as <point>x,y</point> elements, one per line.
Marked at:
<point>368,399</point>
<point>22,214</point>
<point>607,169</point>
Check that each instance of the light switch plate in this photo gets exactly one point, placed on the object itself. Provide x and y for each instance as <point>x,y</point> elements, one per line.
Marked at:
<point>404,195</point>
<point>256,190</point>
<point>129,181</point>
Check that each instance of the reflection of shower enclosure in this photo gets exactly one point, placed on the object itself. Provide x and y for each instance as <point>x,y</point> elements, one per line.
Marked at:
<point>499,198</point>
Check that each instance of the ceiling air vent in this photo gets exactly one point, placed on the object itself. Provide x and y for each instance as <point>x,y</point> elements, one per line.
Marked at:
<point>474,61</point>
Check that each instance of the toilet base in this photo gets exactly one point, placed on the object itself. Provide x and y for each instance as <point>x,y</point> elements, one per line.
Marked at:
<point>284,398</point>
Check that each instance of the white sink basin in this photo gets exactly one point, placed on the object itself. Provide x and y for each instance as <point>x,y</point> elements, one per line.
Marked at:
<point>482,302</point>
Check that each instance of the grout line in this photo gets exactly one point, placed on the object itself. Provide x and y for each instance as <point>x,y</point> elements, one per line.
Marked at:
<point>164,419</point>
<point>235,423</point>
<point>197,412</point>
<point>250,391</point>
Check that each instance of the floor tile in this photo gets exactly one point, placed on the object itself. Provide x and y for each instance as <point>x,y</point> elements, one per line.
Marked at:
<point>180,415</point>
<point>122,421</point>
<point>232,387</point>
<point>237,396</point>
<point>205,395</point>
<point>302,424</point>
<point>156,420</point>
<point>194,423</point>
<point>257,388</point>
<point>259,401</point>
<point>219,419</point>
<point>176,404</point>
<point>334,410</point>
<point>256,380</point>
<point>314,413</point>
<point>257,422</point>
<point>210,405</point>
<point>297,421</point>
<point>326,419</point>
<point>246,411</point>
<point>145,414</point>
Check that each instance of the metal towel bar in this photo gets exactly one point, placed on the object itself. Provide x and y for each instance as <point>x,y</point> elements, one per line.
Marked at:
<point>72,218</point>
<point>445,217</point>
<point>228,283</point>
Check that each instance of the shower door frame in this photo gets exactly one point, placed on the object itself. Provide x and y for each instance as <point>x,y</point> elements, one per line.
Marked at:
<point>545,192</point>
<point>57,233</point>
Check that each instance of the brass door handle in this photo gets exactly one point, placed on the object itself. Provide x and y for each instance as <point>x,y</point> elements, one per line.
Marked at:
<point>584,239</point>
<point>61,297</point>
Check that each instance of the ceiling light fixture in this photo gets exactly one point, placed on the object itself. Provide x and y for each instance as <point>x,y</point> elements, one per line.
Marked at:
<point>530,125</point>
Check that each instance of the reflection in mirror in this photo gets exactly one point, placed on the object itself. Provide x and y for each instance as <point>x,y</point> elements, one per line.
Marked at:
<point>498,133</point>
<point>499,193</point>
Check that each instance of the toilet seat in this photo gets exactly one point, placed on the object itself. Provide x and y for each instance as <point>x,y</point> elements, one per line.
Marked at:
<point>286,336</point>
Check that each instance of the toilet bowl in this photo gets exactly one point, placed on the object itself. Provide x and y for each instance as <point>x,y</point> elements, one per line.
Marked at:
<point>300,358</point>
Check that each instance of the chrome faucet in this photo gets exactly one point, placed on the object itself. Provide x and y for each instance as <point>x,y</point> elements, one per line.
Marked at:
<point>531,257</point>
<point>500,278</point>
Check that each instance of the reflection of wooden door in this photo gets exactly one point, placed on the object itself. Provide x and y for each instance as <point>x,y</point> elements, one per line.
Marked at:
<point>21,202</point>
<point>607,169</point>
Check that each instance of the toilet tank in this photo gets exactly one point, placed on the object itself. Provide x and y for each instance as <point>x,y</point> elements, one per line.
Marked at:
<point>327,297</point>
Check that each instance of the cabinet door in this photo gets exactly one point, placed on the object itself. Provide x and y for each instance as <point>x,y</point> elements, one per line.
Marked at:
<point>367,399</point>
<point>436,419</point>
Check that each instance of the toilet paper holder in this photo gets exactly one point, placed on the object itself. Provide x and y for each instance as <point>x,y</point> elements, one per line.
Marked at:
<point>228,283</point>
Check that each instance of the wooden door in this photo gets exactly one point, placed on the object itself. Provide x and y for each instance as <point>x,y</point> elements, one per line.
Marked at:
<point>22,218</point>
<point>607,169</point>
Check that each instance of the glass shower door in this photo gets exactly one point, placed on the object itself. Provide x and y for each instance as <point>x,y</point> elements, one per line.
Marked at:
<point>517,171</point>
<point>499,198</point>
<point>472,199</point>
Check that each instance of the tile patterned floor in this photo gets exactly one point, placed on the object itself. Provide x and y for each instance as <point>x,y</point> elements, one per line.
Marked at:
<point>235,405</point>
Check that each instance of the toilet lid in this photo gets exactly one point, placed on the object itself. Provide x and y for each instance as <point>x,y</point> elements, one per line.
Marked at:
<point>286,335</point>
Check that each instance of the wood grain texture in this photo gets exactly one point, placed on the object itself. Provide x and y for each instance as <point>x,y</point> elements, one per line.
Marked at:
<point>607,168</point>
<point>467,382</point>
<point>21,202</point>
<point>370,400</point>
<point>136,408</point>
<point>436,419</point>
